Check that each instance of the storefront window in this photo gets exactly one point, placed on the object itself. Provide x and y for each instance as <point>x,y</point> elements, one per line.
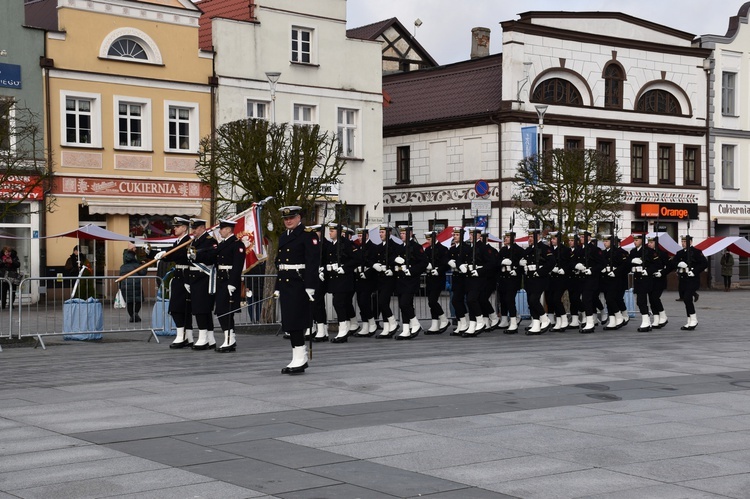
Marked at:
<point>744,262</point>
<point>150,225</point>
<point>15,232</point>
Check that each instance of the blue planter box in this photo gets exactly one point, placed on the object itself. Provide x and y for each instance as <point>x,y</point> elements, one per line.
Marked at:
<point>158,316</point>
<point>82,316</point>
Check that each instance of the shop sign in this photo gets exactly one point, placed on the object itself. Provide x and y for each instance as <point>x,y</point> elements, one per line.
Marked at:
<point>10,75</point>
<point>21,187</point>
<point>667,211</point>
<point>124,188</point>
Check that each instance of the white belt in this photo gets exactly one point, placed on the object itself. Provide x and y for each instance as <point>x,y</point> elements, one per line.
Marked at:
<point>284,266</point>
<point>225,267</point>
<point>182,267</point>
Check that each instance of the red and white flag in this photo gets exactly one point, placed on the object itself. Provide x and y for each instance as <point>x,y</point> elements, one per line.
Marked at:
<point>250,231</point>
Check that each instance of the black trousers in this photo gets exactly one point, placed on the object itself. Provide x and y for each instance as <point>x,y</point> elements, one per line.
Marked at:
<point>557,287</point>
<point>458,300</point>
<point>535,287</point>
<point>687,288</point>
<point>508,289</point>
<point>435,286</point>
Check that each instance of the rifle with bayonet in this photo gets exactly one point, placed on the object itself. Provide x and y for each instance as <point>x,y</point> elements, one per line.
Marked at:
<point>339,235</point>
<point>433,238</point>
<point>407,241</point>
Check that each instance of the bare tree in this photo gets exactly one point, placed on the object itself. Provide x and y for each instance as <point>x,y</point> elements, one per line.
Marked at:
<point>249,160</point>
<point>569,188</point>
<point>25,172</point>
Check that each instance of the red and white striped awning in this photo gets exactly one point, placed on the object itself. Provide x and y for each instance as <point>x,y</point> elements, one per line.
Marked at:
<point>665,242</point>
<point>737,245</point>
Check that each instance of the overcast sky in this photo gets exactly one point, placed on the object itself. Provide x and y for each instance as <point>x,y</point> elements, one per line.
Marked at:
<point>446,24</point>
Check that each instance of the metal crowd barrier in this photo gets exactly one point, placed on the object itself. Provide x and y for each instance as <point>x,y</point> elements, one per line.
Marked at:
<point>9,292</point>
<point>49,308</point>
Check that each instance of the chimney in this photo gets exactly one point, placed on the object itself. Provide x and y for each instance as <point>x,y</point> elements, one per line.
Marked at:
<point>480,42</point>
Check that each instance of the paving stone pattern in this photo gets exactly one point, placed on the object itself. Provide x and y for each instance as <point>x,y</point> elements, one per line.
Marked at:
<point>611,415</point>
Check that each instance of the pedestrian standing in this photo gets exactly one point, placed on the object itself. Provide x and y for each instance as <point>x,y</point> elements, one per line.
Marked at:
<point>131,288</point>
<point>230,262</point>
<point>9,265</point>
<point>727,269</point>
<point>297,262</point>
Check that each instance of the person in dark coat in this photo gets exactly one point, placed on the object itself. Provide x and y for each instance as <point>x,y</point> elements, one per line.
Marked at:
<point>644,263</point>
<point>437,266</point>
<point>727,269</point>
<point>587,261</point>
<point>131,289</point>
<point>538,262</point>
<point>658,285</point>
<point>364,253</point>
<point>479,266</point>
<point>339,273</point>
<point>458,255</point>
<point>410,264</point>
<point>509,278</point>
<point>297,262</point>
<point>559,278</point>
<point>230,262</point>
<point>202,287</point>
<point>179,297</point>
<point>614,278</point>
<point>9,264</point>
<point>385,265</point>
<point>689,262</point>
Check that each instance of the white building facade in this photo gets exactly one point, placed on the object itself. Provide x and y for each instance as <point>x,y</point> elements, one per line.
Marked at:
<point>623,85</point>
<point>325,79</point>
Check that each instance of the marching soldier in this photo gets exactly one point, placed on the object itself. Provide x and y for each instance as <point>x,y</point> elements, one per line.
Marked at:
<point>384,265</point>
<point>319,313</point>
<point>437,266</point>
<point>179,297</point>
<point>230,262</point>
<point>509,281</point>
<point>658,285</point>
<point>614,280</point>
<point>410,264</point>
<point>458,255</point>
<point>537,262</point>
<point>354,326</point>
<point>476,270</point>
<point>689,262</point>
<point>491,319</point>
<point>574,284</point>
<point>202,255</point>
<point>365,280</point>
<point>339,277</point>
<point>297,263</point>
<point>644,262</point>
<point>588,261</point>
<point>558,282</point>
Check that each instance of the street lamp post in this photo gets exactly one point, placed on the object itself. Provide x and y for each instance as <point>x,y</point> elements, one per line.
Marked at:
<point>273,78</point>
<point>541,109</point>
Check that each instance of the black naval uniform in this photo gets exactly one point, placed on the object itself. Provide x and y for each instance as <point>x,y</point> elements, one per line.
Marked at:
<point>559,277</point>
<point>694,263</point>
<point>615,278</point>
<point>437,265</point>
<point>179,298</point>
<point>387,252</point>
<point>201,292</point>
<point>539,264</point>
<point>509,277</point>
<point>490,283</point>
<point>479,267</point>
<point>408,274</point>
<point>659,283</point>
<point>364,255</point>
<point>644,262</point>
<point>297,262</point>
<point>458,254</point>
<point>340,283</point>
<point>230,262</point>
<point>590,257</point>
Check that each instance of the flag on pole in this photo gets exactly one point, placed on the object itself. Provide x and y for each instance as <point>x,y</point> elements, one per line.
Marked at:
<point>250,231</point>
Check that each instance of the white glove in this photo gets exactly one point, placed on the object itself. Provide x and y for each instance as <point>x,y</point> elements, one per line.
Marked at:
<point>561,271</point>
<point>611,274</point>
<point>657,273</point>
<point>555,270</point>
<point>389,273</point>
<point>362,275</point>
<point>339,270</point>
<point>474,273</point>
<point>606,270</point>
<point>187,287</point>
<point>682,265</point>
<point>434,272</point>
<point>463,268</point>
<point>452,264</point>
<point>513,273</point>
<point>407,273</point>
<point>691,273</point>
<point>329,267</point>
<point>160,255</point>
<point>321,276</point>
<point>472,267</point>
<point>429,266</point>
<point>587,271</point>
<point>637,269</point>
<point>579,267</point>
<point>531,268</point>
<point>644,272</point>
<point>310,293</point>
<point>191,255</point>
<point>522,262</point>
<point>399,260</point>
<point>276,294</point>
<point>506,262</point>
<point>231,289</point>
<point>636,261</point>
<point>379,267</point>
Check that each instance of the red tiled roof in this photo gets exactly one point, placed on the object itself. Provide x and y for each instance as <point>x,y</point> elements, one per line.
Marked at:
<point>239,10</point>
<point>371,31</point>
<point>464,89</point>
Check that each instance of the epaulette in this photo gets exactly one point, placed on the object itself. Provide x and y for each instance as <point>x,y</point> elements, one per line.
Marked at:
<point>309,229</point>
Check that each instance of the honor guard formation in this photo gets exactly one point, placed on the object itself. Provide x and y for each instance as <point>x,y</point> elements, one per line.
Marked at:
<point>208,279</point>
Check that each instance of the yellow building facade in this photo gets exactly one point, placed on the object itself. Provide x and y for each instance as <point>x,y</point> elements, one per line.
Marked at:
<point>128,99</point>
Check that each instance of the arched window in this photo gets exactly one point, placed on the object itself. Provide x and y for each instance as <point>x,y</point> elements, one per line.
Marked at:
<point>557,91</point>
<point>613,78</point>
<point>659,101</point>
<point>127,48</point>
